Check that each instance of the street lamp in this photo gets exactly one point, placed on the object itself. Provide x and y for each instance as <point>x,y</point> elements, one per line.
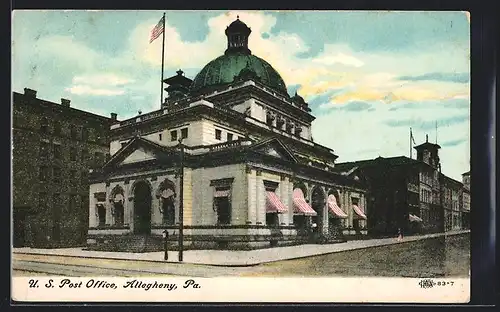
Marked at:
<point>181,201</point>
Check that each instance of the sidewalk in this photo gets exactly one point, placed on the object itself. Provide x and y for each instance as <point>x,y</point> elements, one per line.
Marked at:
<point>233,257</point>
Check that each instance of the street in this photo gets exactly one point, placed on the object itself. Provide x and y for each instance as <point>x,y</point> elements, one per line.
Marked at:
<point>434,257</point>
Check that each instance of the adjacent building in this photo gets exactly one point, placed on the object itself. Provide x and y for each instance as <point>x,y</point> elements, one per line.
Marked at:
<point>411,194</point>
<point>54,146</point>
<point>251,173</point>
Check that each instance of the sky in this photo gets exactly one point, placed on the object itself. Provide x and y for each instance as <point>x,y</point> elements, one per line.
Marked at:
<point>367,76</point>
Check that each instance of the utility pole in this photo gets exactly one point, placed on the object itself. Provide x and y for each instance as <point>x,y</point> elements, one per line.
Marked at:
<point>181,201</point>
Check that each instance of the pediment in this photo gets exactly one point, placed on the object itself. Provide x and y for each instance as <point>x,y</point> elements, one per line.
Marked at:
<point>139,155</point>
<point>275,148</point>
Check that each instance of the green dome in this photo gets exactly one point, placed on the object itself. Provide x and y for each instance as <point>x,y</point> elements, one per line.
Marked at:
<point>225,68</point>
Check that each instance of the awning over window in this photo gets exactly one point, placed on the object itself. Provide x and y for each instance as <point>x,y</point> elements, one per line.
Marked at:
<point>359,213</point>
<point>300,206</point>
<point>274,204</point>
<point>224,193</point>
<point>118,198</point>
<point>167,193</point>
<point>414,218</point>
<point>334,208</point>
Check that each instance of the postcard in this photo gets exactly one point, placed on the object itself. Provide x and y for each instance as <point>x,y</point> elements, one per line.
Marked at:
<point>241,156</point>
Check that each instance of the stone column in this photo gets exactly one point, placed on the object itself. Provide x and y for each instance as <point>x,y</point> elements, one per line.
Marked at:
<point>92,211</point>
<point>325,216</point>
<point>290,201</point>
<point>126,206</point>
<point>251,196</point>
<point>283,218</point>
<point>260,199</point>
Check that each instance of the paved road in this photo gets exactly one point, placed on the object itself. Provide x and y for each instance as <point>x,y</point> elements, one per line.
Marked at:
<point>436,257</point>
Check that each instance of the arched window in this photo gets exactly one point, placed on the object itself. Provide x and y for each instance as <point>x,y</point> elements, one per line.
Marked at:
<point>44,125</point>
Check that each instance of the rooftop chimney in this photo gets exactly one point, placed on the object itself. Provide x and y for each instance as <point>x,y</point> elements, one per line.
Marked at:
<point>113,116</point>
<point>426,138</point>
<point>65,102</point>
<point>30,92</point>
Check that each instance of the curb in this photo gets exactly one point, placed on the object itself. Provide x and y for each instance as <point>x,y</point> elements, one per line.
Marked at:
<point>243,264</point>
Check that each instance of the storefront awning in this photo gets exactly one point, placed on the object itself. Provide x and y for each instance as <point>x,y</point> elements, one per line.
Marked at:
<point>300,206</point>
<point>359,213</point>
<point>223,193</point>
<point>167,193</point>
<point>414,218</point>
<point>274,204</point>
<point>334,208</point>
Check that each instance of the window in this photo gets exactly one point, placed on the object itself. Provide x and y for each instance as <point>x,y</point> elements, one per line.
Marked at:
<point>218,134</point>
<point>85,155</point>
<point>159,136</point>
<point>72,176</point>
<point>44,149</point>
<point>56,173</point>
<point>44,173</point>
<point>44,125</point>
<point>72,203</point>
<point>85,134</point>
<point>173,135</point>
<point>272,219</point>
<point>42,200</point>
<point>229,137</point>
<point>184,133</point>
<point>72,153</point>
<point>84,177</point>
<point>57,151</point>
<point>73,132</point>
<point>57,128</point>
<point>101,214</point>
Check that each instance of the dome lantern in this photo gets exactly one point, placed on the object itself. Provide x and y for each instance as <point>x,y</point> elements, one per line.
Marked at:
<point>237,37</point>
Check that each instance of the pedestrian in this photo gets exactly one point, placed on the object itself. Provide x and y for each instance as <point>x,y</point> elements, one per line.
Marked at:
<point>165,244</point>
<point>400,235</point>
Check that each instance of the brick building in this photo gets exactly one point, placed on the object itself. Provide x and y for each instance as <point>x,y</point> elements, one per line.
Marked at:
<point>54,146</point>
<point>411,194</point>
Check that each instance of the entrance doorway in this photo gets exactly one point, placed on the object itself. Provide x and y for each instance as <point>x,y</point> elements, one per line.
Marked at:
<point>142,208</point>
<point>318,204</point>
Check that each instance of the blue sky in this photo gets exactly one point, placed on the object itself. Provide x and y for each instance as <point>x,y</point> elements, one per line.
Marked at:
<point>368,76</point>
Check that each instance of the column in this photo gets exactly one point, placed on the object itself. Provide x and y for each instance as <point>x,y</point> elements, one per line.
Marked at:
<point>92,211</point>
<point>251,196</point>
<point>109,216</point>
<point>260,199</point>
<point>325,216</point>
<point>126,206</point>
<point>290,201</point>
<point>283,218</point>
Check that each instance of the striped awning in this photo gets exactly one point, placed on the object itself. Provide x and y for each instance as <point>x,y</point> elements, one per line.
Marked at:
<point>334,208</point>
<point>223,193</point>
<point>118,198</point>
<point>360,214</point>
<point>414,218</point>
<point>300,206</point>
<point>274,204</point>
<point>167,193</point>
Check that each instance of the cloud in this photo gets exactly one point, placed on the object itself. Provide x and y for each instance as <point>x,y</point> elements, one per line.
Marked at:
<point>102,79</point>
<point>453,143</point>
<point>338,58</point>
<point>450,77</point>
<point>427,124</point>
<point>88,90</point>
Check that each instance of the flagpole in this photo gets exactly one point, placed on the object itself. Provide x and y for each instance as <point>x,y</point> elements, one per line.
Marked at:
<point>410,143</point>
<point>162,60</point>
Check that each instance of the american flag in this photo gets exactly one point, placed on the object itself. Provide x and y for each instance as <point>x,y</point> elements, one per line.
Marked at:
<point>158,30</point>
